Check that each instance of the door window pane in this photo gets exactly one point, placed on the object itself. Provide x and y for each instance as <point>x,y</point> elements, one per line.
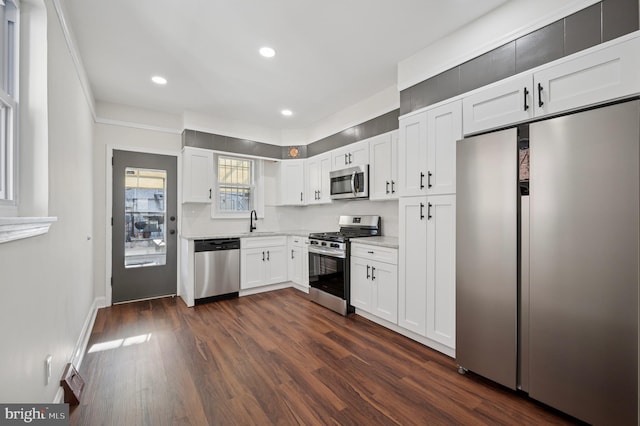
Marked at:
<point>145,217</point>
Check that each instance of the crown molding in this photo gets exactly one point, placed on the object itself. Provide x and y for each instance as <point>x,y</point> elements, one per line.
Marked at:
<point>75,57</point>
<point>122,123</point>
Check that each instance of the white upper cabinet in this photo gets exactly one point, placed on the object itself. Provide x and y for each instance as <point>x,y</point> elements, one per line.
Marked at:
<point>427,151</point>
<point>602,73</point>
<point>292,187</point>
<point>318,169</point>
<point>197,175</point>
<point>412,155</point>
<point>498,105</point>
<point>444,129</point>
<point>355,154</point>
<point>383,177</point>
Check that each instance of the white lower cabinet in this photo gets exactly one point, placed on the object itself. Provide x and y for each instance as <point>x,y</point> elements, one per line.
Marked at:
<point>298,261</point>
<point>374,280</point>
<point>412,265</point>
<point>426,279</point>
<point>441,269</point>
<point>263,261</point>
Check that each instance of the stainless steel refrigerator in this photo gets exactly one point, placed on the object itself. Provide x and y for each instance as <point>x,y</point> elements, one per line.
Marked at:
<point>547,260</point>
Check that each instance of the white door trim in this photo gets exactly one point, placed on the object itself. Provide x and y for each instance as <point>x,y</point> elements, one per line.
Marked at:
<point>109,206</point>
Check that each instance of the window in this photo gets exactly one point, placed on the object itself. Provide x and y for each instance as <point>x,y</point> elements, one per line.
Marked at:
<point>236,185</point>
<point>8,99</point>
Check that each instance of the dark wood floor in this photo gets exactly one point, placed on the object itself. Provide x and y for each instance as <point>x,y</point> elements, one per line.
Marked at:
<point>276,358</point>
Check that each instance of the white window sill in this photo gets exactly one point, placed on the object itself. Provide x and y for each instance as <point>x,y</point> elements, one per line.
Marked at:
<point>16,228</point>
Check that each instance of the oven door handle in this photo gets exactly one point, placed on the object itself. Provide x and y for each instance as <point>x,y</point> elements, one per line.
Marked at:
<point>326,252</point>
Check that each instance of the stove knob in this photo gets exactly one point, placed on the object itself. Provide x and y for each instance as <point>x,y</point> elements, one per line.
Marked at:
<point>323,243</point>
<point>335,245</point>
<point>313,242</point>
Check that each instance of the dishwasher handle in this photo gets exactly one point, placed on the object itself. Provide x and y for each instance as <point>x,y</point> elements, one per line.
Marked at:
<point>217,244</point>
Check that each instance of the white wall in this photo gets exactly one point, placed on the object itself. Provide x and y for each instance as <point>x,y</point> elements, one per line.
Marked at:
<point>124,138</point>
<point>47,287</point>
<point>196,218</point>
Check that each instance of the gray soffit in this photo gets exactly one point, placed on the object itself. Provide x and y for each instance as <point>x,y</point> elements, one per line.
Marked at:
<point>376,126</point>
<point>593,25</point>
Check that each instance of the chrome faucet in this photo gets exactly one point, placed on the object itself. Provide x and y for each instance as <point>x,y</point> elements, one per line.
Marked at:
<point>252,216</point>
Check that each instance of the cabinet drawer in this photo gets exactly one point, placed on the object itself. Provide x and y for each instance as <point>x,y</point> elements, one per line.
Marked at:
<point>297,241</point>
<point>257,242</point>
<point>381,254</point>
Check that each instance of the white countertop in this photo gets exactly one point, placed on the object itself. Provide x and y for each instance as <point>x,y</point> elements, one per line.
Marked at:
<point>293,233</point>
<point>382,241</point>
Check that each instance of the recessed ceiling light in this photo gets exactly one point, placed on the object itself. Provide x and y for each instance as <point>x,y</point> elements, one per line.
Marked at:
<point>286,112</point>
<point>267,52</point>
<point>159,80</point>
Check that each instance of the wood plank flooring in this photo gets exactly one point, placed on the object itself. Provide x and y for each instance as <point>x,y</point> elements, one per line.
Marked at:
<point>276,358</point>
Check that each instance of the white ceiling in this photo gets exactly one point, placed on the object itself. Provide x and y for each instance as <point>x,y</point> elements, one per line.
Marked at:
<point>331,54</point>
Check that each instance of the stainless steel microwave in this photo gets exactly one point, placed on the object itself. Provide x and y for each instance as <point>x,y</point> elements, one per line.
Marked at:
<point>351,183</point>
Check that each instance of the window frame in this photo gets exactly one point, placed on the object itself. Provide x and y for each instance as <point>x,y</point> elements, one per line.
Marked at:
<point>9,54</point>
<point>256,188</point>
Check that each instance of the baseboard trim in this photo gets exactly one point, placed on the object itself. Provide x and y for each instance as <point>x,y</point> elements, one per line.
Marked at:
<point>59,398</point>
<point>85,333</point>
<point>450,352</point>
<point>83,341</point>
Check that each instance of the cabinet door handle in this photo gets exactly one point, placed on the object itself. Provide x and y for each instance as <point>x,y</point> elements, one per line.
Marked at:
<point>301,197</point>
<point>373,270</point>
<point>421,211</point>
<point>429,175</point>
<point>526,94</point>
<point>421,180</point>
<point>292,254</point>
<point>429,211</point>
<point>263,256</point>
<point>346,159</point>
<point>540,102</point>
<point>368,276</point>
<point>350,158</point>
<point>210,191</point>
<point>268,255</point>
<point>387,187</point>
<point>393,190</point>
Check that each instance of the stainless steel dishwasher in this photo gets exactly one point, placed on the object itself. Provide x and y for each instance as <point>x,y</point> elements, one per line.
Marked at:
<point>217,269</point>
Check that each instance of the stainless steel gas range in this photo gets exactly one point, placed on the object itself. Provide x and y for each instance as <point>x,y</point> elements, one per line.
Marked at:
<point>329,252</point>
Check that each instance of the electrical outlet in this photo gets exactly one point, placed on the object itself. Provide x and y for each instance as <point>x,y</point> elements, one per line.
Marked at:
<point>47,369</point>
